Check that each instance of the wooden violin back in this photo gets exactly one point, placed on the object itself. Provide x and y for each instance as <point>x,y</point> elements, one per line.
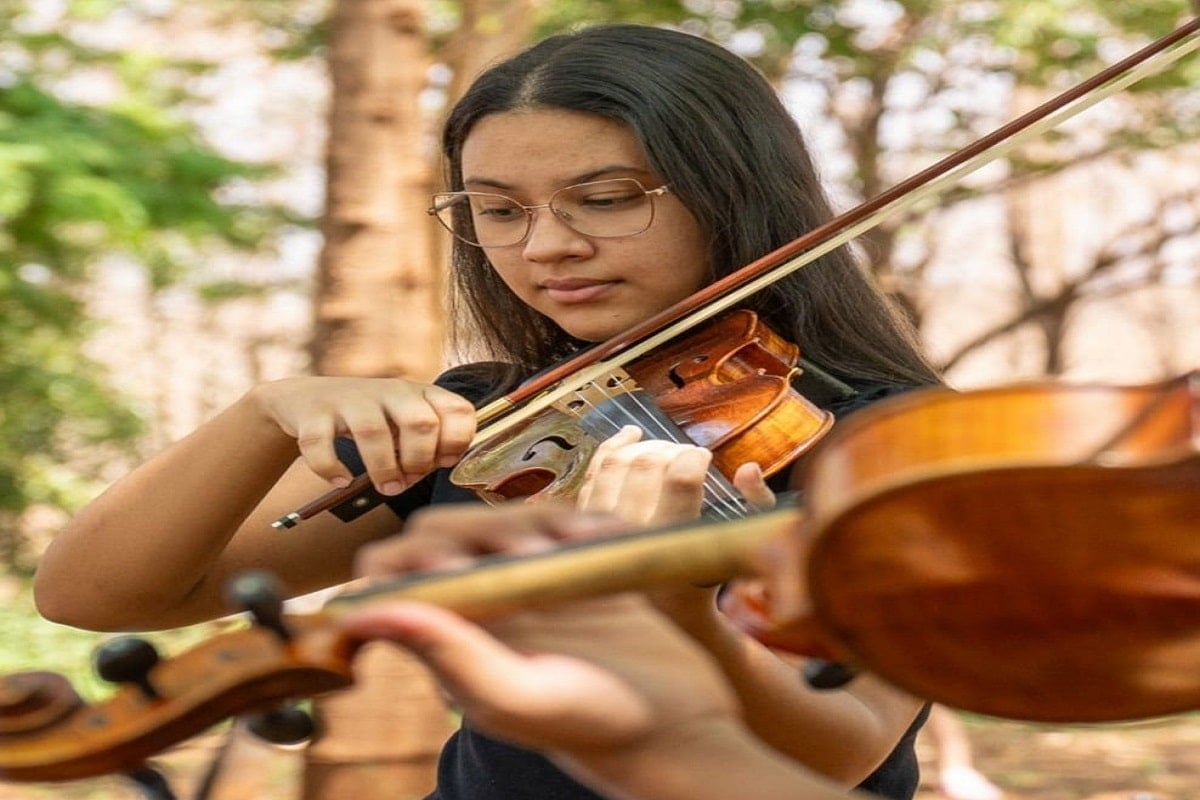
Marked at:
<point>1030,552</point>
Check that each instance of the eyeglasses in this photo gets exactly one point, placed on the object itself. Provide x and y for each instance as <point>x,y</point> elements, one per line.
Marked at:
<point>603,209</point>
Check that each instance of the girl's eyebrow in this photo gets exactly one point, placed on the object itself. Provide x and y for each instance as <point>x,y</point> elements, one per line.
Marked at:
<point>584,177</point>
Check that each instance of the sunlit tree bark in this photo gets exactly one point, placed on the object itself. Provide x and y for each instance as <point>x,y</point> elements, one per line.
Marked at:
<point>378,294</point>
<point>489,31</point>
<point>377,314</point>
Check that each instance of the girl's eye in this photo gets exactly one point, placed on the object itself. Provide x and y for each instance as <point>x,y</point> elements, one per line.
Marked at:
<point>608,199</point>
<point>500,213</point>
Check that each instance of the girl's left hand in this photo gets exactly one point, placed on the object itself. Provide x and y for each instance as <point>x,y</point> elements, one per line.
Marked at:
<point>654,482</point>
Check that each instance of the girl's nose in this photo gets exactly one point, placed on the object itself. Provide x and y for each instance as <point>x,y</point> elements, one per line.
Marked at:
<point>551,238</point>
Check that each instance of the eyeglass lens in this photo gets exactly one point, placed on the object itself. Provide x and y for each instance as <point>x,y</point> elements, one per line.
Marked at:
<point>610,208</point>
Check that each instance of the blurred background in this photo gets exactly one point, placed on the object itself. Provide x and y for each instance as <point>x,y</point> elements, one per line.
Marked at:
<point>199,196</point>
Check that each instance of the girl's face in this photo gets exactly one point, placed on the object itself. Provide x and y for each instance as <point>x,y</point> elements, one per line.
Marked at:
<point>593,288</point>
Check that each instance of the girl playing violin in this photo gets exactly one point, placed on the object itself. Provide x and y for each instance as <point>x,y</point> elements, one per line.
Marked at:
<point>593,180</point>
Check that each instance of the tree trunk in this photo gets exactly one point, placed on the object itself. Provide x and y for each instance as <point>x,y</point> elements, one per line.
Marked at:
<point>378,313</point>
<point>378,306</point>
<point>490,30</point>
<point>380,739</point>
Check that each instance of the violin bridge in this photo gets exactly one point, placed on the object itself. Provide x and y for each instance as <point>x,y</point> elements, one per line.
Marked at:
<point>595,392</point>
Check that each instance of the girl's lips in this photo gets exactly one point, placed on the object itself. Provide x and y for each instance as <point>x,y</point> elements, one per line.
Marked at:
<point>571,292</point>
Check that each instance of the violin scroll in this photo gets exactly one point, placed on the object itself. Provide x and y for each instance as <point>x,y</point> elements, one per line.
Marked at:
<point>31,701</point>
<point>48,734</point>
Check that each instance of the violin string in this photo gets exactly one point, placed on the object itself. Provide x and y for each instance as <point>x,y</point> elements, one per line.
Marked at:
<point>715,499</point>
<point>724,502</point>
<point>720,499</point>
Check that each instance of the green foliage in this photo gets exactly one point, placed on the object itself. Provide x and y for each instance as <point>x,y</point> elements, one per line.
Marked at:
<point>81,183</point>
<point>60,202</point>
<point>84,180</point>
<point>1043,43</point>
<point>764,31</point>
<point>32,643</point>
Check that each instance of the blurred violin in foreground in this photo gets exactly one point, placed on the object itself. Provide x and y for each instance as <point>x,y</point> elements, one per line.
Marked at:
<point>1030,552</point>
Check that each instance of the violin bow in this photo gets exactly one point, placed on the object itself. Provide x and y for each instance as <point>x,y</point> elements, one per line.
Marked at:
<point>551,386</point>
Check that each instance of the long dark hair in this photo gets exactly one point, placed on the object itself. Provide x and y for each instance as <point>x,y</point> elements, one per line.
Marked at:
<point>714,129</point>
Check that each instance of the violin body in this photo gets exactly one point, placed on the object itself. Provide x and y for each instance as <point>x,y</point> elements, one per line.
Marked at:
<point>726,387</point>
<point>1030,552</point>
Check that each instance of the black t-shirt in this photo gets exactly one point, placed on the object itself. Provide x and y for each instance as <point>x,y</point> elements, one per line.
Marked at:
<point>474,766</point>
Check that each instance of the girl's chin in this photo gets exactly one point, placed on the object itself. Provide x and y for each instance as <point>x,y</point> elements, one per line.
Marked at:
<point>595,331</point>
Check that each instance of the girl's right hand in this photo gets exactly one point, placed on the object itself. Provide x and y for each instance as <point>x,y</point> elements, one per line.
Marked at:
<point>404,430</point>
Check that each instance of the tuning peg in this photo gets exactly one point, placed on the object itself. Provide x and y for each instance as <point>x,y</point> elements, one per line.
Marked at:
<point>285,725</point>
<point>261,594</point>
<point>128,659</point>
<point>827,674</point>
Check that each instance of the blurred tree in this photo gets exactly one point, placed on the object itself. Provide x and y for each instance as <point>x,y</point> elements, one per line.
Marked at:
<point>80,182</point>
<point>378,304</point>
<point>378,313</point>
<point>380,277</point>
<point>948,73</point>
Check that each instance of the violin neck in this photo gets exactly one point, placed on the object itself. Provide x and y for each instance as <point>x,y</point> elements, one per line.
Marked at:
<point>700,554</point>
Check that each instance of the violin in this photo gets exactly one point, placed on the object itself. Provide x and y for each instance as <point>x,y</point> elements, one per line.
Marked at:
<point>1030,551</point>
<point>727,387</point>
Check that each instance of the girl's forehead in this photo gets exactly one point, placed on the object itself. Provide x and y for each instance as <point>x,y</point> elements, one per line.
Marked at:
<point>521,119</point>
<point>511,144</point>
